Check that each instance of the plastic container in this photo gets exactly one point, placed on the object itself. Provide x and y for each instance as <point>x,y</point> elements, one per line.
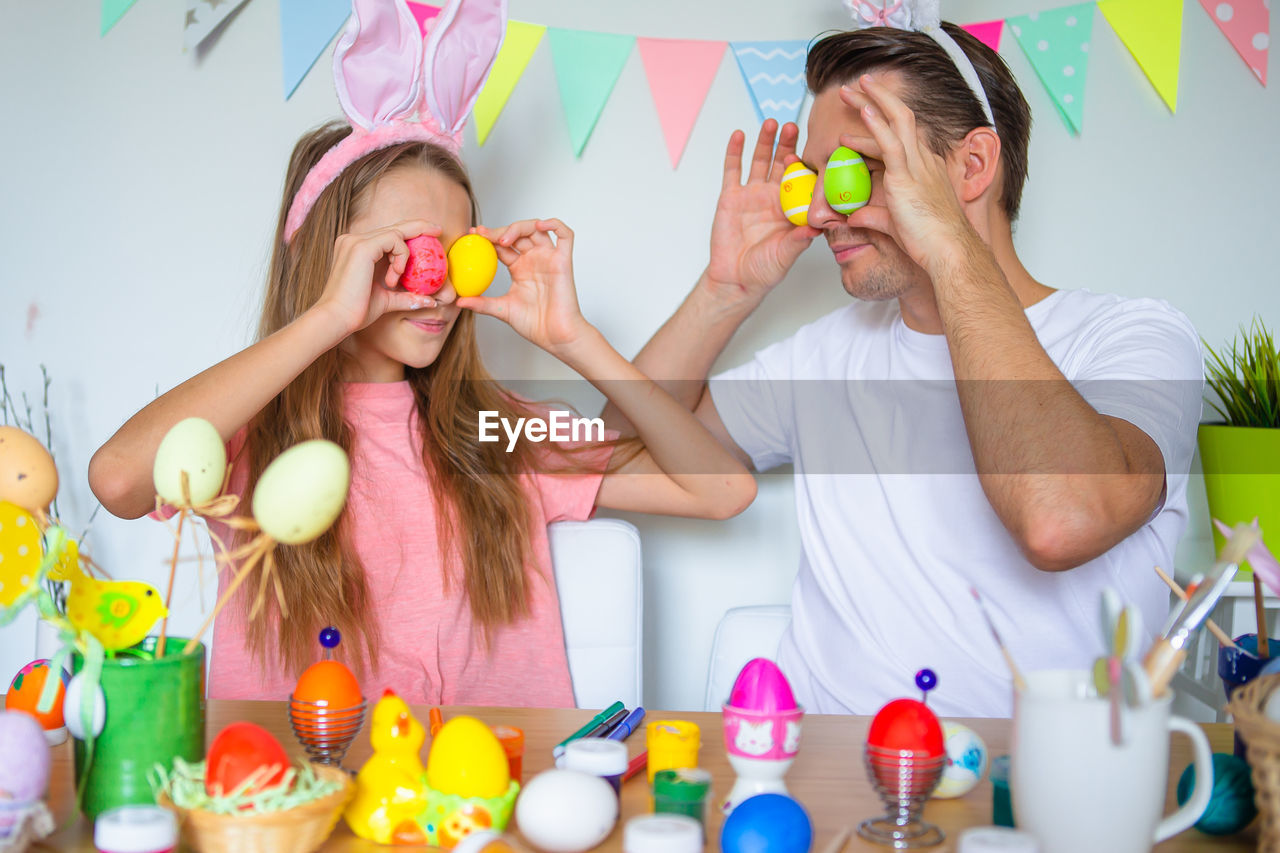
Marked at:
<point>662,833</point>
<point>599,757</point>
<point>996,839</point>
<point>488,841</point>
<point>1001,801</point>
<point>512,740</point>
<point>672,744</point>
<point>136,829</point>
<point>686,791</point>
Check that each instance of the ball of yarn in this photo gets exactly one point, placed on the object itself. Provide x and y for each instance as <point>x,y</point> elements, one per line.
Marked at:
<point>1231,805</point>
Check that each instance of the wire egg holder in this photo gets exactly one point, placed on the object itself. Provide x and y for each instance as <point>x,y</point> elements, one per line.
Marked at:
<point>904,779</point>
<point>325,733</point>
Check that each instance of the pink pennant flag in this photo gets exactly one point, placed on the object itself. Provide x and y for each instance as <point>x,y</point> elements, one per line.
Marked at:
<point>680,73</point>
<point>1247,25</point>
<point>989,32</point>
<point>423,14</point>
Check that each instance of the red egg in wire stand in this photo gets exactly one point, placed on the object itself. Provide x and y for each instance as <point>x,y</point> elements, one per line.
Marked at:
<point>427,266</point>
<point>326,708</point>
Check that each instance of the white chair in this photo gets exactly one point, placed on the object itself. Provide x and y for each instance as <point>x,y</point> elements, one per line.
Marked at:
<point>743,633</point>
<point>597,568</point>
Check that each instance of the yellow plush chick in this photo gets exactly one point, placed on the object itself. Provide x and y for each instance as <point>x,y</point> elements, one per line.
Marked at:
<point>390,787</point>
<point>118,613</point>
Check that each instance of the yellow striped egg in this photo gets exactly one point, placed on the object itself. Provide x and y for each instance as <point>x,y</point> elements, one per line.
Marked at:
<point>798,181</point>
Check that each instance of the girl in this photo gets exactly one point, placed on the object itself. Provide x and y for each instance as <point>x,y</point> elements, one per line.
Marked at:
<point>438,571</point>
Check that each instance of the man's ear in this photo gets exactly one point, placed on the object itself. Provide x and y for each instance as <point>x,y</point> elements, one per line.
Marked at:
<point>980,150</point>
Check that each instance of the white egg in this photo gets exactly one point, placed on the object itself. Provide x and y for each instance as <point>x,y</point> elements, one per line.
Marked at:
<point>71,702</point>
<point>192,445</point>
<point>302,491</point>
<point>566,811</point>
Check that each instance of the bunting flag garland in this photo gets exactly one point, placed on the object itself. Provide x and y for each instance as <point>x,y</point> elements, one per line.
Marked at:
<point>1057,44</point>
<point>987,32</point>
<point>680,73</point>
<point>1152,30</point>
<point>306,28</point>
<point>1247,25</point>
<point>203,17</point>
<point>423,14</point>
<point>774,74</point>
<point>587,67</point>
<point>518,46</point>
<point>113,11</point>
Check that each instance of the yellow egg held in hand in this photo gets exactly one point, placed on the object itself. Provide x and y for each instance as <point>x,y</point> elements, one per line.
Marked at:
<point>472,265</point>
<point>798,181</point>
<point>466,759</point>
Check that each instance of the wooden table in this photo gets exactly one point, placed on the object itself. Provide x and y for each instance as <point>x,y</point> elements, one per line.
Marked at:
<point>827,777</point>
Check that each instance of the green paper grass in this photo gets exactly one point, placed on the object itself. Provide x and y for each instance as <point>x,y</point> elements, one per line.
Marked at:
<point>185,787</point>
<point>1246,378</point>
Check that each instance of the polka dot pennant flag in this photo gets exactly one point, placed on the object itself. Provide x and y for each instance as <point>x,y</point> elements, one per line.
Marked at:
<point>1247,25</point>
<point>1057,43</point>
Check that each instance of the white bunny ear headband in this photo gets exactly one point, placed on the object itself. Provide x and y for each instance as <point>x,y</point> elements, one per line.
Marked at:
<point>385,72</point>
<point>922,16</point>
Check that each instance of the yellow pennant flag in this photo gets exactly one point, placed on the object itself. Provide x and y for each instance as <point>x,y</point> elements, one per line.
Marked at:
<point>517,49</point>
<point>1152,30</point>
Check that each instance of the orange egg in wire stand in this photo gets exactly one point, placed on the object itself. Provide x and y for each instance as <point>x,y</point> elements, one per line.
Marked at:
<point>326,708</point>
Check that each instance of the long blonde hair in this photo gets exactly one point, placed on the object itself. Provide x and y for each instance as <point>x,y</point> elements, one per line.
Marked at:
<point>473,483</point>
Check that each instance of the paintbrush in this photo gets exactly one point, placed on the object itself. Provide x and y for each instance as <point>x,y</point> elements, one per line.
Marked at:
<point>1019,683</point>
<point>1217,632</point>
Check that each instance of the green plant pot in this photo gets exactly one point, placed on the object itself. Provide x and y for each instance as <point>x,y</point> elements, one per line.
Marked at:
<point>155,711</point>
<point>1242,478</point>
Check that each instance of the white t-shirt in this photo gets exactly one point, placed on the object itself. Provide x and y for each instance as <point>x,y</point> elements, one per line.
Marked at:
<point>894,524</point>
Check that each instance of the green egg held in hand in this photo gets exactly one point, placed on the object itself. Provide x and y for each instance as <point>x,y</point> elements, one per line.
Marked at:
<point>847,183</point>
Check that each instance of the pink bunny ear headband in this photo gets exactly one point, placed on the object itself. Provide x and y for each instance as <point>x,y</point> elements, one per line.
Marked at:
<point>922,16</point>
<point>385,72</point>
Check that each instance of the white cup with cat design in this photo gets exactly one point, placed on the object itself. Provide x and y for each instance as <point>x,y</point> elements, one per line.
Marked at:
<point>761,731</point>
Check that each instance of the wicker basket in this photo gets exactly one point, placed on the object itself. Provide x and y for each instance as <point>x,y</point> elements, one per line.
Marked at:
<point>1261,736</point>
<point>301,829</point>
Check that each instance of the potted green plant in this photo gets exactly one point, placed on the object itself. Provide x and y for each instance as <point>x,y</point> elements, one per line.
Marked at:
<point>1241,455</point>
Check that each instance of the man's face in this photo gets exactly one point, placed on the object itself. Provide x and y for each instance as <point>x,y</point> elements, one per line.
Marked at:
<point>872,264</point>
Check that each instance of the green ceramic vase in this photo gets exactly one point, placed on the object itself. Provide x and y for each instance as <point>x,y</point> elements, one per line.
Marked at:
<point>155,711</point>
<point>1242,478</point>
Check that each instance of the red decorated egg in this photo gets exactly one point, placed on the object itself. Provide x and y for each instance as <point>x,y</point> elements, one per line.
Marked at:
<point>907,724</point>
<point>426,269</point>
<point>237,752</point>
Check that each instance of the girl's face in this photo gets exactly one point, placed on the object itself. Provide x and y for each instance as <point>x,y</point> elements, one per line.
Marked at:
<point>414,338</point>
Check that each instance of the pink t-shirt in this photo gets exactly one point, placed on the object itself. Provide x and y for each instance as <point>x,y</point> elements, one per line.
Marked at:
<point>430,650</point>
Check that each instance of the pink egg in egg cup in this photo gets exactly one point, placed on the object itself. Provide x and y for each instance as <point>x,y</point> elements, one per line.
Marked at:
<point>761,731</point>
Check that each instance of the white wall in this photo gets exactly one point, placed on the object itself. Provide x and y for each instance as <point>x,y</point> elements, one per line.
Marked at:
<point>141,184</point>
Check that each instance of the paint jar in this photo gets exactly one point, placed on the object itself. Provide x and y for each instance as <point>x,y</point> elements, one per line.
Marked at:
<point>685,791</point>
<point>672,744</point>
<point>136,829</point>
<point>1001,801</point>
<point>662,833</point>
<point>599,757</point>
<point>512,740</point>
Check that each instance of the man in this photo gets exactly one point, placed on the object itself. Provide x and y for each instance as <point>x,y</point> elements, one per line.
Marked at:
<point>959,425</point>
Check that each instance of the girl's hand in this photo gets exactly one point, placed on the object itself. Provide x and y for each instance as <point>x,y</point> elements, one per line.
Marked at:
<point>364,280</point>
<point>541,304</point>
<point>752,243</point>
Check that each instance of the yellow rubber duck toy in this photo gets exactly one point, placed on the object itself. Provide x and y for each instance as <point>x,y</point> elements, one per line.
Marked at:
<point>390,791</point>
<point>118,613</point>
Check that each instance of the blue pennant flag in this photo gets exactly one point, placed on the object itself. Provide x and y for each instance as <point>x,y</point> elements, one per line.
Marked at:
<point>306,28</point>
<point>774,74</point>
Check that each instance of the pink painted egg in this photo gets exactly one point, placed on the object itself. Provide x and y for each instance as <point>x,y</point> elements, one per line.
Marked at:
<point>761,686</point>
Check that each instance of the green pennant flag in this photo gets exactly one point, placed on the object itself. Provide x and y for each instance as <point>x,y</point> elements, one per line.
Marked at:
<point>112,11</point>
<point>587,67</point>
<point>1057,43</point>
<point>518,46</point>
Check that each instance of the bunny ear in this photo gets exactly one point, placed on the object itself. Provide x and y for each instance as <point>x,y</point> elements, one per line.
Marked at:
<point>464,40</point>
<point>377,62</point>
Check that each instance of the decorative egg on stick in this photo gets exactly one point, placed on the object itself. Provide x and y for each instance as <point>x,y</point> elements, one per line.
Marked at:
<point>24,695</point>
<point>298,497</point>
<point>28,477</point>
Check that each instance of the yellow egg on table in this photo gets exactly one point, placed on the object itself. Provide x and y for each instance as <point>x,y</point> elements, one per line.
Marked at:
<point>194,446</point>
<point>798,181</point>
<point>27,475</point>
<point>472,265</point>
<point>302,492</point>
<point>466,759</point>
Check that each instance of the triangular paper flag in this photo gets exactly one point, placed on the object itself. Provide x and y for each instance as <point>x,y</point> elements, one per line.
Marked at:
<point>306,28</point>
<point>1057,43</point>
<point>1247,25</point>
<point>1152,30</point>
<point>774,74</point>
<point>680,73</point>
<point>112,11</point>
<point>988,33</point>
<point>587,67</point>
<point>518,46</point>
<point>203,17</point>
<point>423,14</point>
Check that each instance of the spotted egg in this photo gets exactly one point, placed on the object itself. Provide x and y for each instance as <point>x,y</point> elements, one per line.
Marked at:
<point>28,477</point>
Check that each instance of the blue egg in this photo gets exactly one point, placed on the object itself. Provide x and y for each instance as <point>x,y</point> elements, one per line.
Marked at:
<point>767,823</point>
<point>1231,807</point>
